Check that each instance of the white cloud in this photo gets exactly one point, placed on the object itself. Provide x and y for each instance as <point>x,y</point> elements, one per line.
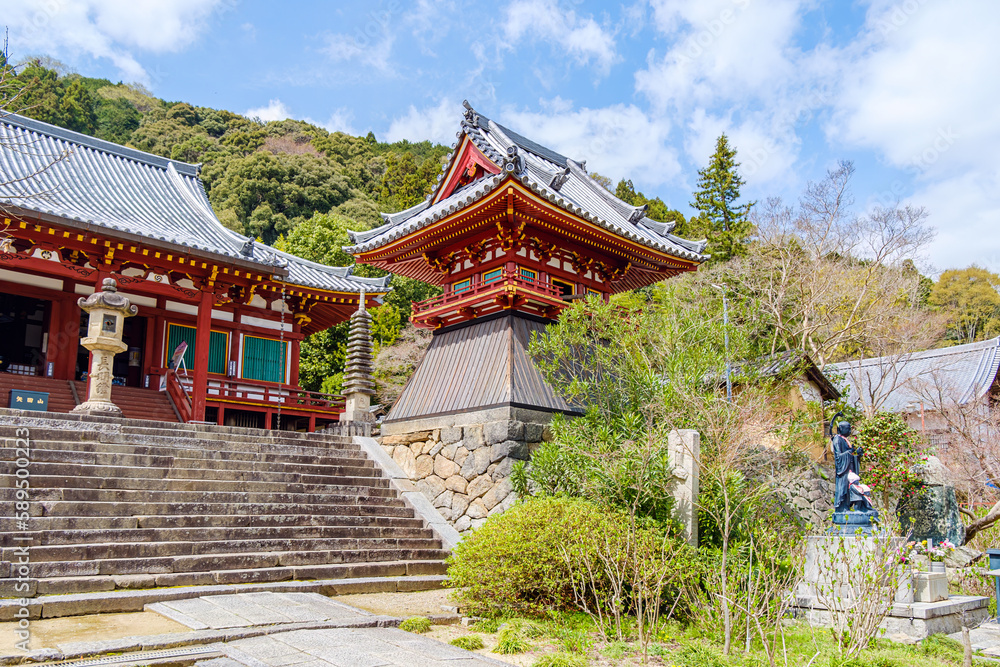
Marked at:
<point>581,38</point>
<point>107,29</point>
<point>438,123</point>
<point>274,110</point>
<point>372,52</point>
<point>618,141</point>
<point>340,120</point>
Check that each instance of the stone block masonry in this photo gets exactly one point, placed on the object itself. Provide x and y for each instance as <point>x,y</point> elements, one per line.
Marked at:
<point>464,470</point>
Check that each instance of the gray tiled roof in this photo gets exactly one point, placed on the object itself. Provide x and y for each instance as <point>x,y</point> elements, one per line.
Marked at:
<point>53,171</point>
<point>541,170</point>
<point>963,373</point>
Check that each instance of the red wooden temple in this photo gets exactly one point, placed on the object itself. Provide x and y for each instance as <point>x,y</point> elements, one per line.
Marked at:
<point>511,233</point>
<point>76,210</point>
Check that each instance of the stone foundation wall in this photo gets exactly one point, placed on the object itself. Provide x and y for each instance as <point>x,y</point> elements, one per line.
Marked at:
<point>809,495</point>
<point>464,470</point>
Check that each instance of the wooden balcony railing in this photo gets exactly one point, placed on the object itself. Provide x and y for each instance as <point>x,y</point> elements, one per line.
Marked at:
<point>179,396</point>
<point>272,395</point>
<point>481,290</point>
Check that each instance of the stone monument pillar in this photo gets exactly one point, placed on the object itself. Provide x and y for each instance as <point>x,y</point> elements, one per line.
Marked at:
<point>358,384</point>
<point>107,310</point>
<point>685,451</point>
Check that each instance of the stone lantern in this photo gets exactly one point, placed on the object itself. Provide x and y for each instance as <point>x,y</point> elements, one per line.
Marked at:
<point>107,310</point>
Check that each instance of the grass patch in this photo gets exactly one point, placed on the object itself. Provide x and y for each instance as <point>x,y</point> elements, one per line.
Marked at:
<point>418,624</point>
<point>511,640</point>
<point>488,625</point>
<point>575,641</point>
<point>468,642</point>
<point>560,660</point>
<point>617,650</point>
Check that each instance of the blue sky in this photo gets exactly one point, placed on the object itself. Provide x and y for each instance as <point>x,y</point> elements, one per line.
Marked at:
<point>639,89</point>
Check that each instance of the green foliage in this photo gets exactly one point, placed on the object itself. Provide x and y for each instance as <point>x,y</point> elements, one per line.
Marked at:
<point>418,624</point>
<point>725,223</point>
<point>561,660</point>
<point>406,182</point>
<point>971,302</point>
<point>657,210</point>
<point>890,452</point>
<point>488,625</point>
<point>322,355</point>
<point>511,640</point>
<point>468,642</point>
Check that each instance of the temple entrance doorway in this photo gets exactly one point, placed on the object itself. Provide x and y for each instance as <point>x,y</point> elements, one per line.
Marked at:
<point>22,334</point>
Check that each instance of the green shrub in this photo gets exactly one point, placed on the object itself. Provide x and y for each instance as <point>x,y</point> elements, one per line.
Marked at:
<point>418,624</point>
<point>511,640</point>
<point>529,629</point>
<point>468,642</point>
<point>575,641</point>
<point>560,660</point>
<point>488,625</point>
<point>514,562</point>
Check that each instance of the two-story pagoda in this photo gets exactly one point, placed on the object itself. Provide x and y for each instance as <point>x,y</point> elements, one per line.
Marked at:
<point>228,312</point>
<point>511,233</point>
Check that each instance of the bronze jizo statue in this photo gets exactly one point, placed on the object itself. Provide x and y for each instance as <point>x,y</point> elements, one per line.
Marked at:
<point>852,506</point>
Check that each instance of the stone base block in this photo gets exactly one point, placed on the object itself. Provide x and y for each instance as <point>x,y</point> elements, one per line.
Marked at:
<point>99,408</point>
<point>917,620</point>
<point>930,586</point>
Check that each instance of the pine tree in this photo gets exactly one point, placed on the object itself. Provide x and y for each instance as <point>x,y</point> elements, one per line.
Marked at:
<point>726,223</point>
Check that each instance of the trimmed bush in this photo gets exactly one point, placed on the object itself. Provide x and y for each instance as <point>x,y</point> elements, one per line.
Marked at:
<point>468,642</point>
<point>418,624</point>
<point>514,563</point>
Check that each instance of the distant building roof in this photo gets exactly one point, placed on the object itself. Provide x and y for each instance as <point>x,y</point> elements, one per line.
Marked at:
<point>900,383</point>
<point>557,178</point>
<point>786,364</point>
<point>51,171</point>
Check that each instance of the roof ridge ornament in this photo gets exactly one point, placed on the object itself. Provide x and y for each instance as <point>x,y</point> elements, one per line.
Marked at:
<point>514,162</point>
<point>639,213</point>
<point>559,179</point>
<point>470,113</point>
<point>247,248</point>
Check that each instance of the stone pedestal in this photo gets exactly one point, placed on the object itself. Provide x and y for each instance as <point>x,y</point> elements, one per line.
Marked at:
<point>107,310</point>
<point>930,586</point>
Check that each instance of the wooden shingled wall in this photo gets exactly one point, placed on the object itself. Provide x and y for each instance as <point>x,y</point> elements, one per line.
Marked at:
<point>476,367</point>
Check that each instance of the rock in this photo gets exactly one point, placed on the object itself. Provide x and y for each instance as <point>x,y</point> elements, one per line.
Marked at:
<point>431,487</point>
<point>508,502</point>
<point>459,503</point>
<point>456,483</point>
<point>902,638</point>
<point>424,466</point>
<point>443,501</point>
<point>514,448</point>
<point>404,459</point>
<point>934,473</point>
<point>932,514</point>
<point>477,463</point>
<point>533,432</point>
<point>445,468</point>
<point>473,437</point>
<point>963,556</point>
<point>489,471</point>
<point>460,455</point>
<point>463,524</point>
<point>430,446</point>
<point>388,449</point>
<point>476,510</point>
<point>478,523</point>
<point>503,430</point>
<point>436,449</point>
<point>417,448</point>
<point>406,438</point>
<point>479,486</point>
<point>503,469</point>
<point>496,494</point>
<point>547,434</point>
<point>435,435</point>
<point>450,435</point>
<point>448,451</point>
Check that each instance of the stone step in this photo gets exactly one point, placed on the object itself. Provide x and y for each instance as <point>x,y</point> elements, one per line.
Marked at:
<point>359,469</point>
<point>48,468</point>
<point>370,486</point>
<point>78,509</point>
<point>294,565</point>
<point>365,495</point>
<point>53,524</point>
<point>159,549</point>
<point>204,450</point>
<point>123,594</point>
<point>385,529</point>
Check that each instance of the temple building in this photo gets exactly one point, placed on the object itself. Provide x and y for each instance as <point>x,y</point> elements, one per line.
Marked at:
<point>227,313</point>
<point>512,232</point>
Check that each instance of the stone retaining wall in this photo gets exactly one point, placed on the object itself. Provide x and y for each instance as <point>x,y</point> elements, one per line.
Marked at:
<point>809,495</point>
<point>464,470</point>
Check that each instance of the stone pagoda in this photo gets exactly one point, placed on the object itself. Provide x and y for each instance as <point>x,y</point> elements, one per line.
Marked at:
<point>512,232</point>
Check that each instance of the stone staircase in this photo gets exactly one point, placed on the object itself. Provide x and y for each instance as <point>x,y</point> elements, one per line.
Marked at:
<point>60,395</point>
<point>135,403</point>
<point>128,504</point>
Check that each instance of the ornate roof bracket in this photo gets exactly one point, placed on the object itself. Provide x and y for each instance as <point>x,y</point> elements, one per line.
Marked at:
<point>559,179</point>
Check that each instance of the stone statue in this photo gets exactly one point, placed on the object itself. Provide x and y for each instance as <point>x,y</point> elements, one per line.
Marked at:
<point>852,506</point>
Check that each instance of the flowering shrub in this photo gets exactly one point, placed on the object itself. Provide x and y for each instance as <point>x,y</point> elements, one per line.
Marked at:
<point>936,553</point>
<point>890,453</point>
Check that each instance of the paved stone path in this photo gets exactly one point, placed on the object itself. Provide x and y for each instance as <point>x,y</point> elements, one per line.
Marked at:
<point>245,610</point>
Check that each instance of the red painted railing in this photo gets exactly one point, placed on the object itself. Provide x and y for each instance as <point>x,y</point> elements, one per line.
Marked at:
<point>482,289</point>
<point>273,395</point>
<point>179,396</point>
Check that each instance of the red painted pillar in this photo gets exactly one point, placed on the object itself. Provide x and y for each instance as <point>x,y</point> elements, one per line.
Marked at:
<point>201,343</point>
<point>293,376</point>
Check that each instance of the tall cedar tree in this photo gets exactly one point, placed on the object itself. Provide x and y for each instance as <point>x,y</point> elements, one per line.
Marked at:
<point>725,223</point>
